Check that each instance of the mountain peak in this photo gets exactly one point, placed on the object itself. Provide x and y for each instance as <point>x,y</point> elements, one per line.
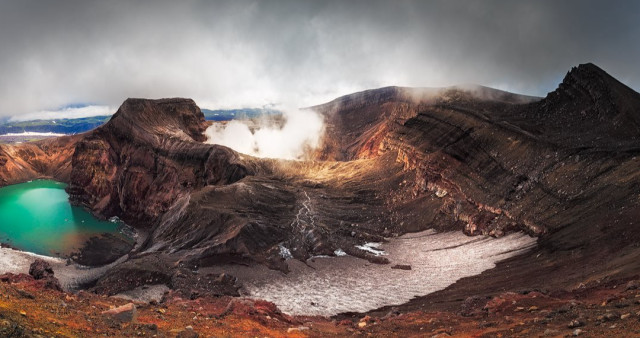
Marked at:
<point>593,104</point>
<point>588,81</point>
<point>174,116</point>
<point>586,69</point>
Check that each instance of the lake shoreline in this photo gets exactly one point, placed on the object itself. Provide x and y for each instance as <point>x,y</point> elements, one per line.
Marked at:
<point>38,217</point>
<point>71,276</point>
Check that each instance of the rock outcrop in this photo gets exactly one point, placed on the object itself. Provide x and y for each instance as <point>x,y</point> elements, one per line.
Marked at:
<point>122,314</point>
<point>147,157</point>
<point>41,270</point>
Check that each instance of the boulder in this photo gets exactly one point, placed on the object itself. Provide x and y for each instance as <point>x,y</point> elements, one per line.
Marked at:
<point>40,269</point>
<point>124,313</point>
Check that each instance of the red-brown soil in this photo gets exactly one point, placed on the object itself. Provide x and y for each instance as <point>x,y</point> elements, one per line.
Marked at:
<point>604,309</point>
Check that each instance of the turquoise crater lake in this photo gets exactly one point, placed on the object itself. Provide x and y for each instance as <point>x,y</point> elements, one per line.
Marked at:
<point>37,217</point>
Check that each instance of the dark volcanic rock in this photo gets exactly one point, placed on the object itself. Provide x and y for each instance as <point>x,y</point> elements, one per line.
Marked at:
<point>564,168</point>
<point>40,269</point>
<point>596,110</point>
<point>102,250</point>
<point>473,305</point>
<point>146,158</point>
<point>192,285</point>
<point>139,271</point>
<point>206,204</point>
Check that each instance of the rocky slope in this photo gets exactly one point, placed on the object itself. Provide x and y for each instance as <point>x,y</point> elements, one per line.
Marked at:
<point>203,204</point>
<point>49,158</point>
<point>564,168</point>
<point>394,160</point>
<point>145,158</point>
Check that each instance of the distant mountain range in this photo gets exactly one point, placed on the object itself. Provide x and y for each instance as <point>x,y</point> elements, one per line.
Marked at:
<point>62,126</point>
<point>81,125</point>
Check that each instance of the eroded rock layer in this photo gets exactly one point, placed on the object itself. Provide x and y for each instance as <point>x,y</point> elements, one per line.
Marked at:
<point>564,168</point>
<point>49,158</point>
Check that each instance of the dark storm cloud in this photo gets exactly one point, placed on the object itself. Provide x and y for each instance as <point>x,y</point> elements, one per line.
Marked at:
<point>249,53</point>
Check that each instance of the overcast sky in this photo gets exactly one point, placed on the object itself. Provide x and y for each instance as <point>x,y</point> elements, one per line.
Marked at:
<point>252,53</point>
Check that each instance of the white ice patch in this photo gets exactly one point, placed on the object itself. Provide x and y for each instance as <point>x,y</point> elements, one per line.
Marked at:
<point>335,285</point>
<point>372,247</point>
<point>284,252</point>
<point>339,253</point>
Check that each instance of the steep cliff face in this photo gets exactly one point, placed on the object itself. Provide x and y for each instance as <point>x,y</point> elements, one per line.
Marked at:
<point>146,158</point>
<point>358,123</point>
<point>448,144</point>
<point>489,161</point>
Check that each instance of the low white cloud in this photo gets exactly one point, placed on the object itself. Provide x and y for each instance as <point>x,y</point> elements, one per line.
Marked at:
<point>292,137</point>
<point>66,113</point>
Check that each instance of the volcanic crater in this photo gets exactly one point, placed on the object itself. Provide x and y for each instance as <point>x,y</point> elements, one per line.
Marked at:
<point>558,174</point>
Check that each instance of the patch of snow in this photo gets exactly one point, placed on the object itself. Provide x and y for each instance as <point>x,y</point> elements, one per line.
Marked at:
<point>339,253</point>
<point>284,252</point>
<point>70,275</point>
<point>346,283</point>
<point>372,247</point>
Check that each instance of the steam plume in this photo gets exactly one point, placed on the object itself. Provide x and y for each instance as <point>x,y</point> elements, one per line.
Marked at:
<point>290,136</point>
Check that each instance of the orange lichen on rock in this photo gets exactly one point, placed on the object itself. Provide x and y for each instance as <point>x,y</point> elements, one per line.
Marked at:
<point>598,308</point>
